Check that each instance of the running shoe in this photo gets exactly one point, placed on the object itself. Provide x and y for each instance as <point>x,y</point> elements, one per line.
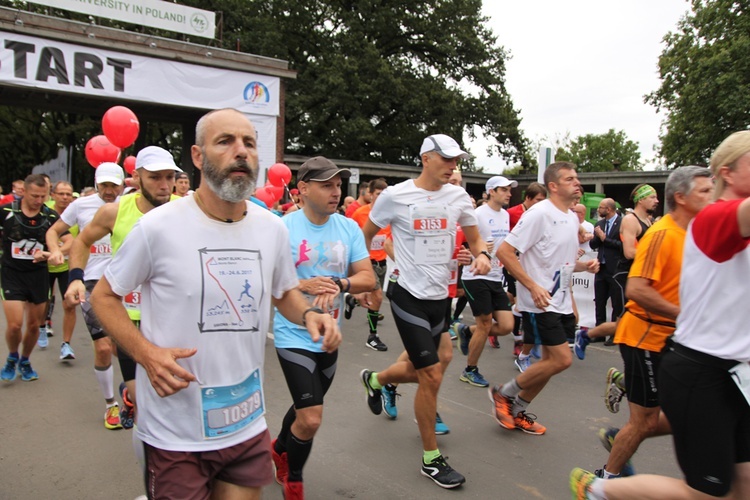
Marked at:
<point>440,427</point>
<point>528,424</point>
<point>43,341</point>
<point>464,337</point>
<point>607,438</point>
<point>473,378</point>
<point>389,394</point>
<point>517,347</point>
<point>615,392</point>
<point>452,329</point>
<point>502,410</point>
<point>294,490</point>
<point>443,474</point>
<point>127,414</point>
<point>112,418</point>
<point>27,372</point>
<point>280,463</point>
<point>523,364</point>
<point>582,340</point>
<point>494,341</point>
<point>610,341</point>
<point>580,483</point>
<point>381,317</point>
<point>50,331</point>
<point>374,343</point>
<point>8,372</point>
<point>351,303</point>
<point>66,352</point>
<point>374,398</point>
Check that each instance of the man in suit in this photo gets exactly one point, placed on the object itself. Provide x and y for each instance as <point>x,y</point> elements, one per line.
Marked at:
<point>607,241</point>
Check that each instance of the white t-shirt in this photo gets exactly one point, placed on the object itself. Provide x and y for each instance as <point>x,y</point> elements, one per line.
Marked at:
<point>206,284</point>
<point>589,228</point>
<point>493,227</point>
<point>547,239</point>
<point>423,224</point>
<point>80,212</point>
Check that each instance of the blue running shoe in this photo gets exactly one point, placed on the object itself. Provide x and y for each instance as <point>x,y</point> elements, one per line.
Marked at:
<point>473,378</point>
<point>66,352</point>
<point>127,413</point>
<point>582,340</point>
<point>27,372</point>
<point>389,395</point>
<point>464,337</point>
<point>440,427</point>
<point>607,437</point>
<point>9,370</point>
<point>536,351</point>
<point>523,364</point>
<point>43,341</point>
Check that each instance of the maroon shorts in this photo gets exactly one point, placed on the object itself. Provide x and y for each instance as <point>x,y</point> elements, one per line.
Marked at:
<point>191,475</point>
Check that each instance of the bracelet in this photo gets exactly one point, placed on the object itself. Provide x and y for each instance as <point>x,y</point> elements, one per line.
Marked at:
<point>311,309</point>
<point>486,254</point>
<point>348,285</point>
<point>75,274</point>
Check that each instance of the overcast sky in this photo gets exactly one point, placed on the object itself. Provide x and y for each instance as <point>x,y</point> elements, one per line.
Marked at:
<point>582,66</point>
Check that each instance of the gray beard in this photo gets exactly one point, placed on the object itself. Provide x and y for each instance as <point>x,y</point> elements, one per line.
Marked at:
<point>226,188</point>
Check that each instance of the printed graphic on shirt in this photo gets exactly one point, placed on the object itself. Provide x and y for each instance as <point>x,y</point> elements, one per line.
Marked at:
<point>326,255</point>
<point>232,289</point>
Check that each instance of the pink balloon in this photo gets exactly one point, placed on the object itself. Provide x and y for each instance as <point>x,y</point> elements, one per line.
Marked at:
<point>129,164</point>
<point>266,196</point>
<point>121,126</point>
<point>279,174</point>
<point>100,150</point>
<point>276,191</point>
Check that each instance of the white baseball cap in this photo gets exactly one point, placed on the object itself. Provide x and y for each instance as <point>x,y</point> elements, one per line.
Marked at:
<point>109,172</point>
<point>499,181</point>
<point>443,145</point>
<point>155,159</point>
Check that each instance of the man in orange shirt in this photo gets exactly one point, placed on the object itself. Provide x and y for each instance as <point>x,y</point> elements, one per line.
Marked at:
<point>374,299</point>
<point>649,317</point>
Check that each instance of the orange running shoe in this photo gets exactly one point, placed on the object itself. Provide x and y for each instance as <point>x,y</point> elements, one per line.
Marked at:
<point>527,423</point>
<point>112,418</point>
<point>503,406</point>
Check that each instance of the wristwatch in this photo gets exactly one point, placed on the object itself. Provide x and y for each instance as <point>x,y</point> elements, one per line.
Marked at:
<point>338,283</point>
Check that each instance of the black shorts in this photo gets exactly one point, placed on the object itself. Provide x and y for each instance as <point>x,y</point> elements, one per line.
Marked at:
<point>641,375</point>
<point>486,297</point>
<point>694,391</point>
<point>511,281</point>
<point>548,328</point>
<point>32,286</point>
<point>127,364</point>
<point>92,322</point>
<point>62,282</point>
<point>420,324</point>
<point>308,374</point>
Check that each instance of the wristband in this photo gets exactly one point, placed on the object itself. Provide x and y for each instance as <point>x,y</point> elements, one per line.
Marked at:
<point>75,274</point>
<point>348,285</point>
<point>486,254</point>
<point>311,309</point>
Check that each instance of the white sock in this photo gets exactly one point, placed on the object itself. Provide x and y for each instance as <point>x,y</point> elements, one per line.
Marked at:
<point>596,490</point>
<point>140,454</point>
<point>518,338</point>
<point>523,356</point>
<point>106,378</point>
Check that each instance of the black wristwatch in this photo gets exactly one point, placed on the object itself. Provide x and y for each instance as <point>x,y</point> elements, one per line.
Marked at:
<point>486,254</point>
<point>311,309</point>
<point>338,283</point>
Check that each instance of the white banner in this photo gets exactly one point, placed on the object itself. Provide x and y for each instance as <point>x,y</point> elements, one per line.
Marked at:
<point>57,169</point>
<point>155,13</point>
<point>265,126</point>
<point>545,158</point>
<point>46,64</point>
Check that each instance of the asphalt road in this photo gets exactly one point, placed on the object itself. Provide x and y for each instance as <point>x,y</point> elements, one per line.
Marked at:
<point>53,443</point>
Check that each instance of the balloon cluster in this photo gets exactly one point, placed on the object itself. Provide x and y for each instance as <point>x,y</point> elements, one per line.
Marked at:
<point>279,177</point>
<point>121,128</point>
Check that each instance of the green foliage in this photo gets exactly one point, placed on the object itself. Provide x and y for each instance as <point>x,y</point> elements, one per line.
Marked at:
<point>705,74</point>
<point>601,152</point>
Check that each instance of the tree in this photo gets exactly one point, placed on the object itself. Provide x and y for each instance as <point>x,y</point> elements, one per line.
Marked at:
<point>705,75</point>
<point>601,152</point>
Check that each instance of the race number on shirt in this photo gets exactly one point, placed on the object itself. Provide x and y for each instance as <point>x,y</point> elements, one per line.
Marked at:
<point>432,239</point>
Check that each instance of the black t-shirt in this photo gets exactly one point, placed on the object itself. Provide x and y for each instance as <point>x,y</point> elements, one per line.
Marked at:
<point>23,236</point>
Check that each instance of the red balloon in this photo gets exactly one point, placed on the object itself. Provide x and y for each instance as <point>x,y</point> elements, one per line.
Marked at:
<point>100,150</point>
<point>266,196</point>
<point>121,126</point>
<point>276,191</point>
<point>279,175</point>
<point>129,164</point>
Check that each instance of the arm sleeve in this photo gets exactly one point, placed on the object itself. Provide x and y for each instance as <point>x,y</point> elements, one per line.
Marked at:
<point>716,231</point>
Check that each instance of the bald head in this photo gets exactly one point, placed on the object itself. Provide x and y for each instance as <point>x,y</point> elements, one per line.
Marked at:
<point>580,210</point>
